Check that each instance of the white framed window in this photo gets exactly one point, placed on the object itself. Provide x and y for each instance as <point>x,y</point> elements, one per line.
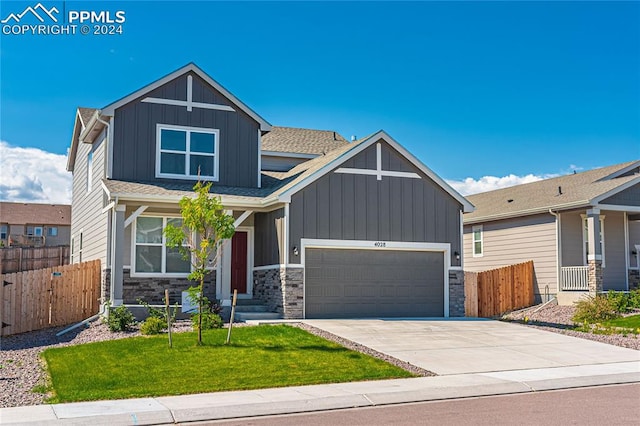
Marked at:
<point>477,241</point>
<point>89,170</point>
<point>4,231</point>
<point>52,231</point>
<point>585,239</point>
<point>184,152</point>
<point>150,254</point>
<point>76,248</point>
<point>35,231</point>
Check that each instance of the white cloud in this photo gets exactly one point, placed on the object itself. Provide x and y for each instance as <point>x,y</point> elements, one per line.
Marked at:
<point>471,186</point>
<point>33,175</point>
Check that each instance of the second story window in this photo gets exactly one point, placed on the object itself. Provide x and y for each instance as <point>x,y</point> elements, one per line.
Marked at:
<point>186,152</point>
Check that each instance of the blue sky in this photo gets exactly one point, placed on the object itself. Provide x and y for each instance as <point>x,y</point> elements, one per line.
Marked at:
<point>503,90</point>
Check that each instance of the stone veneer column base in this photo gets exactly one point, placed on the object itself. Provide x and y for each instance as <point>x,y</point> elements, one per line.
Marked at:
<point>105,285</point>
<point>595,277</point>
<point>456,293</point>
<point>634,279</point>
<point>281,289</point>
<point>151,290</point>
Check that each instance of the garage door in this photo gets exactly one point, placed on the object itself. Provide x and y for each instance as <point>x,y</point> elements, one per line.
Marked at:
<point>350,283</point>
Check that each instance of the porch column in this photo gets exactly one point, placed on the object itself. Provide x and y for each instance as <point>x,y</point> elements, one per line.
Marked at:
<point>594,258</point>
<point>224,265</point>
<point>118,249</point>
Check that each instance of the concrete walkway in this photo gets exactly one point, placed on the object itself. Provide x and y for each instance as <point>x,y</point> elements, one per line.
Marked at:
<point>601,365</point>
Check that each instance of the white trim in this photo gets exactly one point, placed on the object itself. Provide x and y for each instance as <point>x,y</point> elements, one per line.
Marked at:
<point>163,245</point>
<point>187,104</point>
<point>259,158</point>
<point>108,207</point>
<point>461,239</point>
<point>288,154</point>
<point>89,170</point>
<point>285,231</point>
<point>473,240</point>
<point>445,248</point>
<point>242,218</point>
<point>187,152</point>
<point>250,260</point>
<point>601,256</point>
<point>356,149</point>
<point>189,93</point>
<point>378,173</point>
<point>456,268</point>
<point>134,215</point>
<point>110,109</point>
<point>110,148</point>
<point>622,171</point>
<point>615,208</point>
<point>637,246</point>
<point>379,161</point>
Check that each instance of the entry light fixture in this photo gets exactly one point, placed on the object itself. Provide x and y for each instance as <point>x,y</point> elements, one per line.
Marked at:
<point>457,255</point>
<point>295,250</point>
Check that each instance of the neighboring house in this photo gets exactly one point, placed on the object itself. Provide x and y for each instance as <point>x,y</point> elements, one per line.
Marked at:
<point>339,229</point>
<point>34,225</point>
<point>581,230</point>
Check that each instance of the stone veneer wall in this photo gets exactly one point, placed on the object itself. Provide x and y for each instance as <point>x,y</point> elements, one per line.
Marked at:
<point>456,293</point>
<point>634,279</point>
<point>105,285</point>
<point>151,290</point>
<point>281,289</point>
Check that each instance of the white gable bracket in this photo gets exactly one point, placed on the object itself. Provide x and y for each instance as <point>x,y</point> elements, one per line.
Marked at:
<point>242,218</point>
<point>134,215</point>
<point>189,102</point>
<point>378,172</point>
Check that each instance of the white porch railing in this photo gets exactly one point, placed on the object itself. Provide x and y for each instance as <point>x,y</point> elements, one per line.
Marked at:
<point>574,278</point>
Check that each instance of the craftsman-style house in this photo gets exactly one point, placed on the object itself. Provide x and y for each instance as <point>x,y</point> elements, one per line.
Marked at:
<point>324,227</point>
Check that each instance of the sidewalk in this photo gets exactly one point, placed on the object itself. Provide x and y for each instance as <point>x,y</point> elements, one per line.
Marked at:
<point>227,405</point>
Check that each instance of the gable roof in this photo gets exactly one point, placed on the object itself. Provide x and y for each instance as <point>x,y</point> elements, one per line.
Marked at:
<point>560,193</point>
<point>35,214</point>
<point>310,171</point>
<point>190,67</point>
<point>82,119</point>
<point>301,141</point>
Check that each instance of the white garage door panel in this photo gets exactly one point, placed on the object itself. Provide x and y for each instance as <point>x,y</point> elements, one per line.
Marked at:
<point>348,283</point>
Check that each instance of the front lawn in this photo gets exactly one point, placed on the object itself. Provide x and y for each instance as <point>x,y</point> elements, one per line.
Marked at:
<point>259,357</point>
<point>632,321</point>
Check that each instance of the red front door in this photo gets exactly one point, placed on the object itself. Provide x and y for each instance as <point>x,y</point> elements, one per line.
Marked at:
<point>239,262</point>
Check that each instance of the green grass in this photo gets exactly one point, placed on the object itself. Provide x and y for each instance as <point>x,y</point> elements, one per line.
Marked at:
<point>259,357</point>
<point>632,321</point>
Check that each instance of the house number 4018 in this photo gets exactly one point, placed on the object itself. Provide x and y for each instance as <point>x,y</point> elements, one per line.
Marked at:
<point>380,244</point>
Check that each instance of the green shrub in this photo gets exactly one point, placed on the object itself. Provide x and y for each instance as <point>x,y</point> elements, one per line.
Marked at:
<point>209,321</point>
<point>594,309</point>
<point>120,318</point>
<point>634,299</point>
<point>153,325</point>
<point>620,301</point>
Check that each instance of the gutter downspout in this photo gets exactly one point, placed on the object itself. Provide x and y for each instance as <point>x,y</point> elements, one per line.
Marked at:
<point>558,250</point>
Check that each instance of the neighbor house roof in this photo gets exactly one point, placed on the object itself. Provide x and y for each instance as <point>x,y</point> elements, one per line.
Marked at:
<point>35,214</point>
<point>559,193</point>
<point>302,141</point>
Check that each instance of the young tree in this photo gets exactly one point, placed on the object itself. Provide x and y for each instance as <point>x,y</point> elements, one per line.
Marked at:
<point>205,226</point>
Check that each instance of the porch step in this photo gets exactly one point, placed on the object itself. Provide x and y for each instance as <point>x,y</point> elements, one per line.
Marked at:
<point>246,316</point>
<point>251,308</point>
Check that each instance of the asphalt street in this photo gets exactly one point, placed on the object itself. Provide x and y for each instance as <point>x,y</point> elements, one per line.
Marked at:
<point>603,405</point>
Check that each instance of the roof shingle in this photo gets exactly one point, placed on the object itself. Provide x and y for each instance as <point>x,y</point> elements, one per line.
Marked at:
<point>302,141</point>
<point>35,214</point>
<point>568,191</point>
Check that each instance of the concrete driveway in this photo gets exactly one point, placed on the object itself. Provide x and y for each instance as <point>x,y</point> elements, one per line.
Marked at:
<point>459,346</point>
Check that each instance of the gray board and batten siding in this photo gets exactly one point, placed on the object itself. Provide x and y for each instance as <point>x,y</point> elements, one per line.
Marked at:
<point>269,238</point>
<point>627,197</point>
<point>359,207</point>
<point>136,126</point>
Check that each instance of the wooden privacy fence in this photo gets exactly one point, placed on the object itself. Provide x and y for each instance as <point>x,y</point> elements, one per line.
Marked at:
<point>16,259</point>
<point>497,291</point>
<point>33,300</point>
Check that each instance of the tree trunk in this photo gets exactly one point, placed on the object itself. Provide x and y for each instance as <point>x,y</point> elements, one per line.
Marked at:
<point>200,299</point>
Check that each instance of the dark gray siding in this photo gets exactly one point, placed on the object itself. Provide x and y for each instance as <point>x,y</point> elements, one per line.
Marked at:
<point>269,238</point>
<point>134,148</point>
<point>628,197</point>
<point>359,207</point>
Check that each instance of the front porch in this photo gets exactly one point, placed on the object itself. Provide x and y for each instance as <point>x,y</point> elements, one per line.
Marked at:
<point>598,252</point>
